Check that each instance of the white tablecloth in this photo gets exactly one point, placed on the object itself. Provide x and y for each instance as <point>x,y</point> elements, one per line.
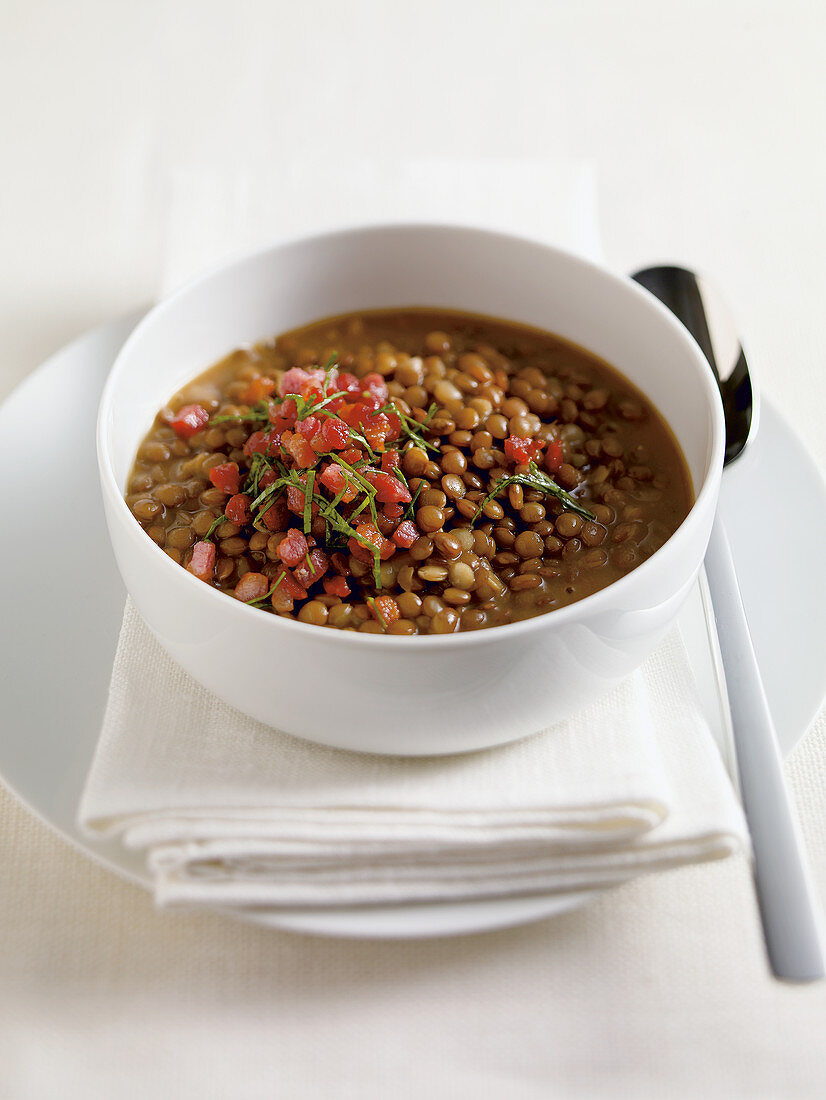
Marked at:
<point>705,128</point>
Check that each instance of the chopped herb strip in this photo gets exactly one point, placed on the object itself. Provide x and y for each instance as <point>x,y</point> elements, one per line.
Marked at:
<point>266,596</point>
<point>413,428</point>
<point>365,485</point>
<point>215,523</point>
<point>534,479</point>
<point>308,501</point>
<point>409,510</point>
<point>260,411</point>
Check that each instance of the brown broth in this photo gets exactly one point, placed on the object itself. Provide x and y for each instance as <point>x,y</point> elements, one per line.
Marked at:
<point>623,457</point>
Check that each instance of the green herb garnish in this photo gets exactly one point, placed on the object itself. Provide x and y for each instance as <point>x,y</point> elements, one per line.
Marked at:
<point>215,523</point>
<point>308,501</point>
<point>259,411</point>
<point>535,479</point>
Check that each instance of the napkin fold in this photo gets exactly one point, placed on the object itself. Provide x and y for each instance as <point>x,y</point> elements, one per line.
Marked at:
<point>234,813</point>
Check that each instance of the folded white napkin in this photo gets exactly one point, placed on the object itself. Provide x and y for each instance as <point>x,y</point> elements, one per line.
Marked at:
<point>232,812</point>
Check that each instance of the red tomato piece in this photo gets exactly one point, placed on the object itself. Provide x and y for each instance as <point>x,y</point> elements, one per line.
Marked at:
<point>405,534</point>
<point>301,451</point>
<point>334,478</point>
<point>522,451</point>
<point>189,420</point>
<point>353,455</point>
<point>390,461</point>
<point>389,490</point>
<point>295,500</point>
<point>347,383</point>
<point>376,429</point>
<point>312,568</point>
<point>554,456</point>
<point>293,547</point>
<point>238,509</point>
<point>267,478</point>
<point>226,477</point>
<point>386,608</point>
<point>393,511</point>
<point>257,390</point>
<point>336,586</point>
<point>203,561</point>
<point>335,433</point>
<point>373,536</point>
<point>340,564</point>
<point>263,443</point>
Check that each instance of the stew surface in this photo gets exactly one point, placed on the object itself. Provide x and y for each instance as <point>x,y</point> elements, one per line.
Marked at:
<point>410,471</point>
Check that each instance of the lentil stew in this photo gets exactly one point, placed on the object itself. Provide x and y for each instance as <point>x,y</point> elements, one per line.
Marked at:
<point>410,471</point>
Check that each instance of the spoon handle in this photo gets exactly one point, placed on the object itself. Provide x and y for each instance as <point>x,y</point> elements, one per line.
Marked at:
<point>784,888</point>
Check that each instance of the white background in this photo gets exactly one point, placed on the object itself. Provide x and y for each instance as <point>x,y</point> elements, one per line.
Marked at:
<point>706,124</point>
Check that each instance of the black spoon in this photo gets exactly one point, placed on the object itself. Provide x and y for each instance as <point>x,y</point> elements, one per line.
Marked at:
<point>791,924</point>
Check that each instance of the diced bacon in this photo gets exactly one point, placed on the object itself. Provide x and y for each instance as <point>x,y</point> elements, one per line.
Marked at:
<point>293,547</point>
<point>334,478</point>
<point>336,586</point>
<point>389,490</point>
<point>385,609</point>
<point>202,564</point>
<point>312,568</point>
<point>252,586</point>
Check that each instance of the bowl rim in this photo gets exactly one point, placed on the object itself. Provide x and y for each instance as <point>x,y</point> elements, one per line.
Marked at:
<point>579,609</point>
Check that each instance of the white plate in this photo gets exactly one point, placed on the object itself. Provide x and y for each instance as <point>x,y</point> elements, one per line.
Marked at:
<point>63,598</point>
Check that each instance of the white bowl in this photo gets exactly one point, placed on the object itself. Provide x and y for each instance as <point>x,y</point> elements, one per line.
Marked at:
<point>431,694</point>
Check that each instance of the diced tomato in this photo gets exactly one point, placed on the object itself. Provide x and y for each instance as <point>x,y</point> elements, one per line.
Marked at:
<point>203,560</point>
<point>312,568</point>
<point>295,500</point>
<point>393,511</point>
<point>257,390</point>
<point>301,451</point>
<point>352,456</point>
<point>226,477</point>
<point>252,586</point>
<point>263,443</point>
<point>376,428</point>
<point>390,461</point>
<point>394,426</point>
<point>335,434</point>
<point>405,534</point>
<point>522,450</point>
<point>238,509</point>
<point>267,478</point>
<point>385,608</point>
<point>336,586</point>
<point>189,420</point>
<point>389,490</point>
<point>276,517</point>
<point>554,456</point>
<point>372,535</point>
<point>293,547</point>
<point>334,478</point>
<point>347,383</point>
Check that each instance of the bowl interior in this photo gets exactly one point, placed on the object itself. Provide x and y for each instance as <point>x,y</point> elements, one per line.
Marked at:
<point>295,283</point>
